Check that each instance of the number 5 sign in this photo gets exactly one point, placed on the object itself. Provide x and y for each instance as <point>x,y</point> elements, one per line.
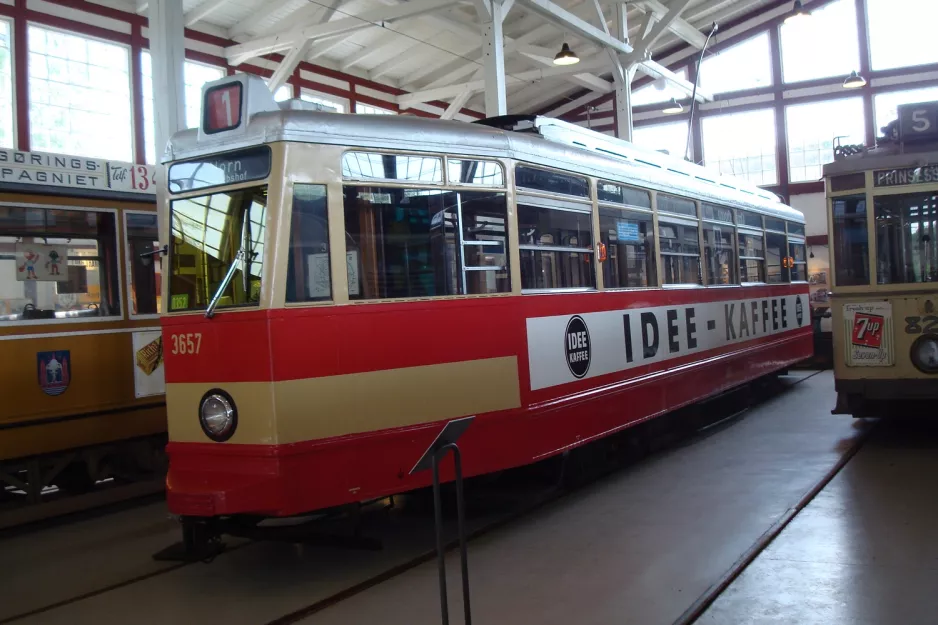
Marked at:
<point>221,109</point>
<point>918,121</point>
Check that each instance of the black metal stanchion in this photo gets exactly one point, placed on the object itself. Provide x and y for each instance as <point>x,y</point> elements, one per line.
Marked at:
<point>445,442</point>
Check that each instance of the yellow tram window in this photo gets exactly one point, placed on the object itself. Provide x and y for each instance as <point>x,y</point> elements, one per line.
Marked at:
<point>906,241</point>
<point>57,264</point>
<point>212,234</point>
<point>680,253</point>
<point>851,246</point>
<point>144,267</point>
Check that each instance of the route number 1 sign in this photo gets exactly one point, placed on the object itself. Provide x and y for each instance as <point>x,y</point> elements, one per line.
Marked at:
<point>222,108</point>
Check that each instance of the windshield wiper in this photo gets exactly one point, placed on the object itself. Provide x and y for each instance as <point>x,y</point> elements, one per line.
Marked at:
<point>239,258</point>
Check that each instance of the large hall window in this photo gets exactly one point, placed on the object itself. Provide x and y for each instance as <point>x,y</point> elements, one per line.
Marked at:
<point>906,238</point>
<point>367,109</point>
<point>670,138</point>
<point>886,105</point>
<point>824,45</point>
<point>902,32</point>
<point>742,144</point>
<point>57,264</point>
<point>333,103</point>
<point>425,242</point>
<point>195,75</point>
<point>851,243</point>
<point>746,65</point>
<point>812,130</point>
<point>659,91</point>
<point>556,248</point>
<point>6,87</point>
<point>79,96</point>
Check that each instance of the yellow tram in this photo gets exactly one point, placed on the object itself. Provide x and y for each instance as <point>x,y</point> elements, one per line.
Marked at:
<point>80,348</point>
<point>883,212</point>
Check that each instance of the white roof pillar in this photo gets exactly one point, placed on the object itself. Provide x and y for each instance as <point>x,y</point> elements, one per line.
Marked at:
<point>623,82</point>
<point>493,57</point>
<point>168,53</point>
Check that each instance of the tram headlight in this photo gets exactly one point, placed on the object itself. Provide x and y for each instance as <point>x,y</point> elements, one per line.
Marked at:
<point>218,415</point>
<point>924,353</point>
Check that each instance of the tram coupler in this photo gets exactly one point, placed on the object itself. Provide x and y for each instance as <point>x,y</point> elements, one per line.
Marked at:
<point>201,542</point>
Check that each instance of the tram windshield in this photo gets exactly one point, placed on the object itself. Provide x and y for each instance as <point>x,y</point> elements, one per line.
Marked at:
<point>906,242</point>
<point>212,234</point>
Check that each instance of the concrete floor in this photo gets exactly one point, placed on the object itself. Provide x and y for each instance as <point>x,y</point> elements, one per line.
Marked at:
<point>641,546</point>
<point>864,551</point>
<point>638,547</point>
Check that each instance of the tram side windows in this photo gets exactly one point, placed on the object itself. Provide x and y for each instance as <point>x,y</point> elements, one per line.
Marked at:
<point>551,181</point>
<point>776,251</point>
<point>142,239</point>
<point>483,173</point>
<point>851,243</point>
<point>630,248</point>
<point>57,264</point>
<point>309,276</point>
<point>719,250</point>
<point>556,248</point>
<point>213,235</point>
<point>400,167</point>
<point>799,267</point>
<point>751,257</point>
<point>906,238</point>
<point>425,242</point>
<point>678,236</point>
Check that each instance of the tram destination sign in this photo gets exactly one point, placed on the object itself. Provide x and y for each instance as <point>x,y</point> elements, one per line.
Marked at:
<point>219,169</point>
<point>43,169</point>
<point>907,175</point>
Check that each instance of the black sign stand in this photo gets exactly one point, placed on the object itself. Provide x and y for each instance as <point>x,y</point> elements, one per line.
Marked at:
<point>444,442</point>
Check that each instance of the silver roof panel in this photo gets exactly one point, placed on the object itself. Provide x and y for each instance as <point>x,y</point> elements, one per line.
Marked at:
<point>419,134</point>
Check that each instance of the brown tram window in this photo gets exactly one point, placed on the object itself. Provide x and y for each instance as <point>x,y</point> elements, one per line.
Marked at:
<point>551,181</point>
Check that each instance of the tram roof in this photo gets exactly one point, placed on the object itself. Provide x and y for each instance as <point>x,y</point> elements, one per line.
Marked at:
<point>885,156</point>
<point>639,166</point>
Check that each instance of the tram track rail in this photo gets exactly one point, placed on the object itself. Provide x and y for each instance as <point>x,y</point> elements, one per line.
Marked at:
<point>548,497</point>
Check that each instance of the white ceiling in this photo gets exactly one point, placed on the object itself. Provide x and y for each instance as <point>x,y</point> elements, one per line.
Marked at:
<point>441,48</point>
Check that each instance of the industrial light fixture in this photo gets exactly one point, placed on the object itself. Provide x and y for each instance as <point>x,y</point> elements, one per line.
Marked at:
<point>798,12</point>
<point>566,56</point>
<point>673,107</point>
<point>854,81</point>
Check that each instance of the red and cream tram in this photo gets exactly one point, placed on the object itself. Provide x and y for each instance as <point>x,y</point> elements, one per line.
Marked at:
<point>340,286</point>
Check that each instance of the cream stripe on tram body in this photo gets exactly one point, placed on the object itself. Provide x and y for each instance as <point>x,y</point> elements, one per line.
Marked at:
<point>883,215</point>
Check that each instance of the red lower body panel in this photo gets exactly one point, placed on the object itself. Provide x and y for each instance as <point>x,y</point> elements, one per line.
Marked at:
<point>283,480</point>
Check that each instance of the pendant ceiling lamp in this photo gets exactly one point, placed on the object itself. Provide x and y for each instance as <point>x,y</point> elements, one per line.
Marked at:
<point>566,56</point>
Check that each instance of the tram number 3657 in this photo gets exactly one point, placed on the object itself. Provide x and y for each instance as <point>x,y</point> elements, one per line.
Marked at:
<point>918,325</point>
<point>190,343</point>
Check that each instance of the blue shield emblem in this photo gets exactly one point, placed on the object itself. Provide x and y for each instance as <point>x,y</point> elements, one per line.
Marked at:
<point>54,369</point>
